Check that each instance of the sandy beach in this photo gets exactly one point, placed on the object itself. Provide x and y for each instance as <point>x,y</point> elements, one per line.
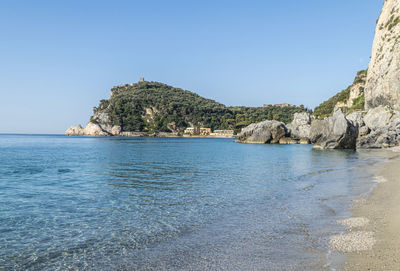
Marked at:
<point>372,241</point>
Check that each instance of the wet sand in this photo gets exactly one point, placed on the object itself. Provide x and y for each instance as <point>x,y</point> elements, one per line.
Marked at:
<point>376,220</point>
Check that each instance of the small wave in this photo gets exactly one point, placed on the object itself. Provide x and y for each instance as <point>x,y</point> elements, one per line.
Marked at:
<point>29,171</point>
<point>380,179</point>
<point>64,170</point>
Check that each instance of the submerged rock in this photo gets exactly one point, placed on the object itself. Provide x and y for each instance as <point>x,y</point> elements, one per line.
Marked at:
<point>269,131</point>
<point>334,132</point>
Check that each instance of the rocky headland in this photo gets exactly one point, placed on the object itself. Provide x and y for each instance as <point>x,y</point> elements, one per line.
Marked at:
<point>366,114</point>
<point>156,109</point>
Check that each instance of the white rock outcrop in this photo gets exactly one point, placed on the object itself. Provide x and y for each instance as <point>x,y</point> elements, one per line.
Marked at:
<point>300,126</point>
<point>91,129</point>
<point>75,131</point>
<point>116,130</point>
<point>383,79</point>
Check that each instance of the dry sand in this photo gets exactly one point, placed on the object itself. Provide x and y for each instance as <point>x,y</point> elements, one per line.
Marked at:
<point>375,227</point>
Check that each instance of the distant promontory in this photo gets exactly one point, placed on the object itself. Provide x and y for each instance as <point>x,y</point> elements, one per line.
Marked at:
<point>153,108</point>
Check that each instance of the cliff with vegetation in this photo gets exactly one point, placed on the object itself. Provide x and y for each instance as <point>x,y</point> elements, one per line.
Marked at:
<point>383,80</point>
<point>350,99</point>
<point>152,107</point>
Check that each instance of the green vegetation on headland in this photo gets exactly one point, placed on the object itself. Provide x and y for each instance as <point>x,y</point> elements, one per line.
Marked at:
<point>156,107</point>
<point>326,108</point>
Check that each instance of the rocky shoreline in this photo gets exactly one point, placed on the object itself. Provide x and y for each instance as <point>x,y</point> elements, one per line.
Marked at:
<point>376,128</point>
<point>93,129</point>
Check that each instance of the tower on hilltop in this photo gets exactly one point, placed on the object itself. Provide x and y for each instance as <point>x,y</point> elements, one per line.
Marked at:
<point>141,79</point>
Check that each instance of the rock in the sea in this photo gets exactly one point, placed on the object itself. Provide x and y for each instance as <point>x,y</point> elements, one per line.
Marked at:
<point>75,131</point>
<point>300,126</point>
<point>304,141</point>
<point>288,140</point>
<point>334,132</point>
<point>94,129</point>
<point>383,79</point>
<point>116,130</point>
<point>91,129</point>
<point>269,131</point>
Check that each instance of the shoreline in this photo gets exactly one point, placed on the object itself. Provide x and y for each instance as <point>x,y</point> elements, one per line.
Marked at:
<point>373,230</point>
<point>155,136</point>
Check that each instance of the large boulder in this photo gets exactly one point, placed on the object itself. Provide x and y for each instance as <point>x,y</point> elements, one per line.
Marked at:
<point>300,126</point>
<point>269,131</point>
<point>382,128</point>
<point>334,132</point>
<point>378,118</point>
<point>356,118</point>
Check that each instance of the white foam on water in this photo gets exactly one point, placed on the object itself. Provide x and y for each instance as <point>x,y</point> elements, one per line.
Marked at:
<point>380,179</point>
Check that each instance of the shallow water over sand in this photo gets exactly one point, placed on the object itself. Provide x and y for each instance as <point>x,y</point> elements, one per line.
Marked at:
<point>172,204</point>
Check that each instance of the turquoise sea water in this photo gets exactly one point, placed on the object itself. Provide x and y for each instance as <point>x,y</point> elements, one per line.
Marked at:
<point>69,203</point>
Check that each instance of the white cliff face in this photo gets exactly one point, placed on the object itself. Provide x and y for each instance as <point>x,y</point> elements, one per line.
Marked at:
<point>103,120</point>
<point>383,79</point>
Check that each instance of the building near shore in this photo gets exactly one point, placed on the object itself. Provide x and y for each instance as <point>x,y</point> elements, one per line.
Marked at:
<point>192,131</point>
<point>279,105</point>
<point>197,131</point>
<point>222,133</point>
<point>205,131</point>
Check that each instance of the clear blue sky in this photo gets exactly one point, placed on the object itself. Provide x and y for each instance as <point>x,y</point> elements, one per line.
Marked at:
<point>59,58</point>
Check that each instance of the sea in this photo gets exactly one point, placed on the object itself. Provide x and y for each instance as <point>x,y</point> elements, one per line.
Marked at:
<point>108,203</point>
